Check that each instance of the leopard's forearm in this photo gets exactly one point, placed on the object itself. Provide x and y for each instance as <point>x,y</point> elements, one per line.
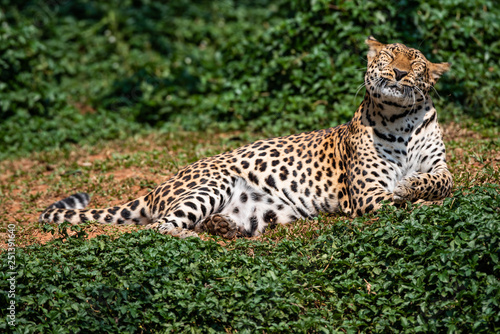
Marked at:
<point>424,186</point>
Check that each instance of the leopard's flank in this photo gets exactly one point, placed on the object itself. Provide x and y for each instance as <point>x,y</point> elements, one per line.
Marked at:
<point>392,150</point>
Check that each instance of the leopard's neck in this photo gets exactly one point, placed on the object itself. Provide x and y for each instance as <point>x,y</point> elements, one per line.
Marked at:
<point>388,117</point>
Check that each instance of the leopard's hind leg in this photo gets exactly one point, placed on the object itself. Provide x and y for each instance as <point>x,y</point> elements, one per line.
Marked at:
<point>180,215</point>
<point>249,212</point>
<point>236,208</point>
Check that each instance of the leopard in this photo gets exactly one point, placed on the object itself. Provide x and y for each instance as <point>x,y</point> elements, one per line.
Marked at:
<point>392,151</point>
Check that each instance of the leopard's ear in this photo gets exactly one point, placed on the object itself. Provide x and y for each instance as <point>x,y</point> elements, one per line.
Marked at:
<point>438,69</point>
<point>375,47</point>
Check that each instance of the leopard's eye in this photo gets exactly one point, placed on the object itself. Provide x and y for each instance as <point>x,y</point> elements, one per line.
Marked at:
<point>418,66</point>
<point>418,63</point>
<point>387,53</point>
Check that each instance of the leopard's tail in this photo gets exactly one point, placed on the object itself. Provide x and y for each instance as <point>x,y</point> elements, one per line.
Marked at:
<point>72,209</point>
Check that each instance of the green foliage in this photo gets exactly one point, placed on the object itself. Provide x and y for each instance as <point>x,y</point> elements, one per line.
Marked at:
<point>80,71</point>
<point>305,71</point>
<point>62,230</point>
<point>36,111</point>
<point>433,269</point>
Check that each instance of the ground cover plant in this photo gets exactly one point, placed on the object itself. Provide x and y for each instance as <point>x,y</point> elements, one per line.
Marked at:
<point>429,270</point>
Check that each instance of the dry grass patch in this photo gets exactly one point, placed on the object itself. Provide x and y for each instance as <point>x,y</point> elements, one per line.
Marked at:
<point>474,159</point>
<point>113,172</point>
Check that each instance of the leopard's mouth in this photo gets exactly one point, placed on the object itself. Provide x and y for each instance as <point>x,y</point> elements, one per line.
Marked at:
<point>394,89</point>
<point>395,86</point>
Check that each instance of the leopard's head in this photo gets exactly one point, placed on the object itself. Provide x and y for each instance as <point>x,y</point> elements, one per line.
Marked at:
<point>400,74</point>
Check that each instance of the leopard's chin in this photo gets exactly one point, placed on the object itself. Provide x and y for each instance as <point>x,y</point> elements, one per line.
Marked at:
<point>395,92</point>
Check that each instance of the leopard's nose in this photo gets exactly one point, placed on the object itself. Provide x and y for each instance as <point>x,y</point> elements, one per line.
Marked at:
<point>399,74</point>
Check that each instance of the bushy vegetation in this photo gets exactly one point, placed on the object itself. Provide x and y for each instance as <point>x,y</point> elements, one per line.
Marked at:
<point>81,71</point>
<point>431,269</point>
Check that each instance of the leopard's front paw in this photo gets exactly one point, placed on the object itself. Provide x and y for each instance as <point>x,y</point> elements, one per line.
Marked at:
<point>402,193</point>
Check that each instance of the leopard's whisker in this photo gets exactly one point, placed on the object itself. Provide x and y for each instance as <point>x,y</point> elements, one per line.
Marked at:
<point>358,89</point>
<point>434,89</point>
<point>421,93</point>
<point>378,85</point>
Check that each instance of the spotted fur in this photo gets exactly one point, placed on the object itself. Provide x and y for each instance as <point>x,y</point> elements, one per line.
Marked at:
<point>392,150</point>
